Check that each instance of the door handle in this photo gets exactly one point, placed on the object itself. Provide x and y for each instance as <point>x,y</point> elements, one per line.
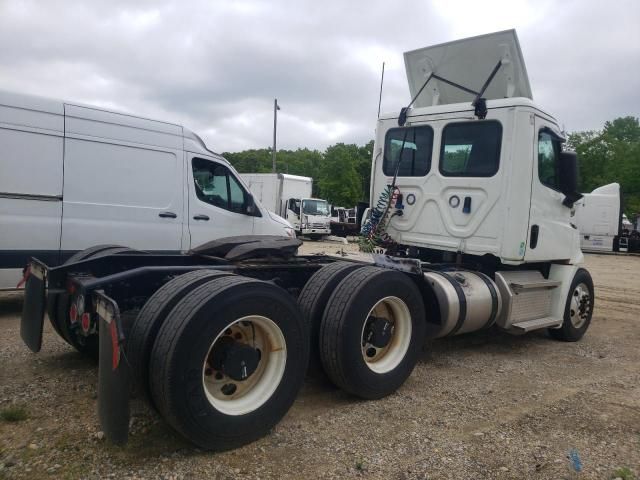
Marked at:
<point>201,217</point>
<point>466,206</point>
<point>167,215</point>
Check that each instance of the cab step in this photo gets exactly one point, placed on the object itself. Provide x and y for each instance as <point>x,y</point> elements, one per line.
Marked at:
<point>526,300</point>
<point>517,286</point>
<point>536,324</point>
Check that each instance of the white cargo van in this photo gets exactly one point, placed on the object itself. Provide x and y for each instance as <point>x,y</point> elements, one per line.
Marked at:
<point>74,176</point>
<point>290,196</point>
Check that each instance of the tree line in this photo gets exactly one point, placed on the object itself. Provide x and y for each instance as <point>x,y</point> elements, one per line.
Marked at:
<point>611,155</point>
<point>342,172</point>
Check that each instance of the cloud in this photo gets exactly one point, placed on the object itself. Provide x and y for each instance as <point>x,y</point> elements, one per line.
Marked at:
<point>215,67</point>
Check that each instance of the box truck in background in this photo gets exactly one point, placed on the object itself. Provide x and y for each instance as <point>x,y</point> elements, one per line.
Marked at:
<point>290,197</point>
<point>73,176</point>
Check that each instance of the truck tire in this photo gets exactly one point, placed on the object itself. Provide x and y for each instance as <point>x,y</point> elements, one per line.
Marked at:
<point>145,328</point>
<point>372,332</point>
<point>578,309</point>
<point>312,301</point>
<point>229,361</point>
<point>87,345</point>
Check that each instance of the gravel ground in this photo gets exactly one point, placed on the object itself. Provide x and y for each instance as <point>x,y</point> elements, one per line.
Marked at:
<point>485,405</point>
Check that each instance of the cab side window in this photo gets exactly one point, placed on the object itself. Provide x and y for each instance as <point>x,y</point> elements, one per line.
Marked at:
<point>548,157</point>
<point>215,185</point>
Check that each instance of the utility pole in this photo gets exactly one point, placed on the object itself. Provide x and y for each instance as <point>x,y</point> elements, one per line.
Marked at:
<point>276,107</point>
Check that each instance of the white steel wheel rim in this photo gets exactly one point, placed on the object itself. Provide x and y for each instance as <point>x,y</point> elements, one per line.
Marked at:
<point>253,392</point>
<point>389,357</point>
<point>580,305</point>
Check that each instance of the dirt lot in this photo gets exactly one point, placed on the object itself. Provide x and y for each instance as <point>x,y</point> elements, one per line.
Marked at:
<point>484,405</point>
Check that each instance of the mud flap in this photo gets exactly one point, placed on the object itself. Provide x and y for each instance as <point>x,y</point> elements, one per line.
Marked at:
<point>35,302</point>
<point>113,372</point>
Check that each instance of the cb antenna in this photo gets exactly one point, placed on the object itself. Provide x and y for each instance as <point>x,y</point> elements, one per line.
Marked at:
<point>380,97</point>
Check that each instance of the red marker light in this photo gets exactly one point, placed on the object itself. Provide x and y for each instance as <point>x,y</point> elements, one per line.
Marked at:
<point>86,322</point>
<point>73,313</point>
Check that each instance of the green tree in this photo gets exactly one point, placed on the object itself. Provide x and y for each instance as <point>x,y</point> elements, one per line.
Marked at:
<point>611,155</point>
<point>339,181</point>
<point>345,169</point>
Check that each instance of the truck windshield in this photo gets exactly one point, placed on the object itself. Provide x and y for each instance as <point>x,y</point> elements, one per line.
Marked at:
<point>315,207</point>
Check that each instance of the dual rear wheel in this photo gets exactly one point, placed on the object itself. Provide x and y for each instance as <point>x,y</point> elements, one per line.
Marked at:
<point>222,358</point>
<point>367,327</point>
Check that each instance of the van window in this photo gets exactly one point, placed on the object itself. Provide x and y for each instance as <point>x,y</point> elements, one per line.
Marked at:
<point>216,185</point>
<point>411,146</point>
<point>548,156</point>
<point>470,149</point>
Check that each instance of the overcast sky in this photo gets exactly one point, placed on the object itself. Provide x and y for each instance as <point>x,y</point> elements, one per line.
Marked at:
<point>215,66</point>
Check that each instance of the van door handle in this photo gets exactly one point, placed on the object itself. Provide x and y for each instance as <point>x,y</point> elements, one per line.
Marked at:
<point>201,217</point>
<point>167,215</point>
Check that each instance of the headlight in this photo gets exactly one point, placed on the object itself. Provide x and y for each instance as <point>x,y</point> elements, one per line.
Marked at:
<point>290,232</point>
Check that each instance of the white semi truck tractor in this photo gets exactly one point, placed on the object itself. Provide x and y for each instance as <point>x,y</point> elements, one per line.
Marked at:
<point>473,202</point>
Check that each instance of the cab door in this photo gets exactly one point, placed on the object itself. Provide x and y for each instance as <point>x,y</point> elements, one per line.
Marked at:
<point>217,202</point>
<point>551,235</point>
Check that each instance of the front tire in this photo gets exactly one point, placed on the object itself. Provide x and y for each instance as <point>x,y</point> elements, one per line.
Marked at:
<point>578,309</point>
<point>372,332</point>
<point>198,379</point>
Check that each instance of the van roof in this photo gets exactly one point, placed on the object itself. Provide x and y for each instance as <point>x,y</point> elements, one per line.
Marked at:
<point>191,141</point>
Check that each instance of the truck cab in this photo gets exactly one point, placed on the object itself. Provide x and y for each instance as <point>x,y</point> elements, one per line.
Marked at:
<point>486,186</point>
<point>496,183</point>
<point>473,172</point>
<point>309,216</point>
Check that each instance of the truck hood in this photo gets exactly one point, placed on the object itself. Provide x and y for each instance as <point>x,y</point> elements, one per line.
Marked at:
<point>280,220</point>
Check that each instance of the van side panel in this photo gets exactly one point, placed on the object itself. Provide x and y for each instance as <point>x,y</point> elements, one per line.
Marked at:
<point>31,150</point>
<point>123,182</point>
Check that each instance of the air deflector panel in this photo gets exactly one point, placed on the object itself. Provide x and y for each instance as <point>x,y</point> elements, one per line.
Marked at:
<point>468,62</point>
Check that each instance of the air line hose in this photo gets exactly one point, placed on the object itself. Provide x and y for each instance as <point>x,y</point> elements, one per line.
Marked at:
<point>374,231</point>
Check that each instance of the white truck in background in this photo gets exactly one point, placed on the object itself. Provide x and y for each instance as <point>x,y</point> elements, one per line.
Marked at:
<point>602,225</point>
<point>599,219</point>
<point>290,197</point>
<point>73,176</point>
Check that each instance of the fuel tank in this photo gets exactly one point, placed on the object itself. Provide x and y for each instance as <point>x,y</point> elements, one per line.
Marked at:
<point>466,301</point>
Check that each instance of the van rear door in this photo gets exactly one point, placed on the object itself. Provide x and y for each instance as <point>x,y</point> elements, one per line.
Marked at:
<point>123,182</point>
<point>31,142</point>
